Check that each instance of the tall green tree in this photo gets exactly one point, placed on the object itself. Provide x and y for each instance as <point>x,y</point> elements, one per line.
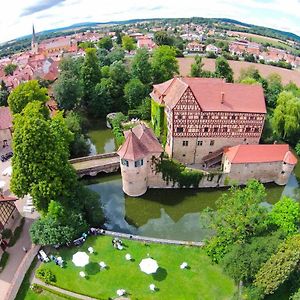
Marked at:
<point>24,93</point>
<point>280,266</point>
<point>223,70</point>
<point>285,215</point>
<point>68,90</point>
<point>10,69</point>
<point>163,38</point>
<point>238,217</point>
<point>135,91</point>
<point>40,161</point>
<point>105,43</point>
<point>196,68</point>
<point>91,74</point>
<point>164,64</point>
<point>273,90</point>
<point>128,43</point>
<point>4,93</point>
<point>141,67</point>
<point>286,117</point>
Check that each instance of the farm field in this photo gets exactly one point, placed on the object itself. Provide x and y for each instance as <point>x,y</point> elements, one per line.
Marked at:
<point>265,70</point>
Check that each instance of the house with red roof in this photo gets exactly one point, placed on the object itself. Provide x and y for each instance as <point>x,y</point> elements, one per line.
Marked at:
<point>5,127</point>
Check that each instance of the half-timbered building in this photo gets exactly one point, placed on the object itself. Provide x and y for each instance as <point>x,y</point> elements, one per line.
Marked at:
<point>205,115</point>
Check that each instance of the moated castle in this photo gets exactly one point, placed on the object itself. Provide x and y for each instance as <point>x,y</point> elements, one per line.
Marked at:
<point>205,124</point>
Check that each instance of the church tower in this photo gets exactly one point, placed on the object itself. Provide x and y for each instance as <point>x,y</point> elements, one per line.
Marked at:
<point>34,43</point>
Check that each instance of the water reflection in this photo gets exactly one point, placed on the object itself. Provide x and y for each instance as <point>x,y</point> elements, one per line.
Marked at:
<point>167,213</point>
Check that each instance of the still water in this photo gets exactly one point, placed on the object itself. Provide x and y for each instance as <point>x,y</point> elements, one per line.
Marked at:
<point>164,213</point>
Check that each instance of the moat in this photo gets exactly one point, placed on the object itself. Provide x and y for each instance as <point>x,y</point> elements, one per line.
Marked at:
<point>164,213</point>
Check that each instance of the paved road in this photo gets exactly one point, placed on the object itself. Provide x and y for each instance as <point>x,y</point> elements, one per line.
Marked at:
<point>98,162</point>
<point>16,255</point>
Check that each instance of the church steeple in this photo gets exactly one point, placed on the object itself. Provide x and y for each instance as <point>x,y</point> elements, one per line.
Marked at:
<point>34,43</point>
<point>33,40</point>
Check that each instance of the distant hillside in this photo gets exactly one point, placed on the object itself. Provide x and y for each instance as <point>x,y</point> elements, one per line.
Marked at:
<point>265,31</point>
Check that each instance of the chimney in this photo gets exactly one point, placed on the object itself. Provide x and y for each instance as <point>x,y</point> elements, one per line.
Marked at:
<point>222,97</point>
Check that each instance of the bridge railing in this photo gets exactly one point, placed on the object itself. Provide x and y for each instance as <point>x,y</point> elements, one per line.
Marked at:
<point>92,157</point>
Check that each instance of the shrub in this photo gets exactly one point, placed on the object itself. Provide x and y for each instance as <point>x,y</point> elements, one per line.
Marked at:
<point>46,275</point>
<point>16,234</point>
<point>3,261</point>
<point>36,288</point>
<point>6,233</point>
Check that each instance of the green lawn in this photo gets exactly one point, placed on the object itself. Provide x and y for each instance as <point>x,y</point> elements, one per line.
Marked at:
<point>202,281</point>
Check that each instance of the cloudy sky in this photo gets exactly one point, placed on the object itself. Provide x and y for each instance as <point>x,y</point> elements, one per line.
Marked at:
<point>17,16</point>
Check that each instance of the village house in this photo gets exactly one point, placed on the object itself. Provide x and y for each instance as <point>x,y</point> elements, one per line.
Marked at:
<point>195,47</point>
<point>240,47</point>
<point>5,127</point>
<point>145,42</point>
<point>212,48</point>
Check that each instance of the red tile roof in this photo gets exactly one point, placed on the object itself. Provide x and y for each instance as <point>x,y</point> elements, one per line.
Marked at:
<point>7,198</point>
<point>140,141</point>
<point>207,91</point>
<point>5,118</point>
<point>260,154</point>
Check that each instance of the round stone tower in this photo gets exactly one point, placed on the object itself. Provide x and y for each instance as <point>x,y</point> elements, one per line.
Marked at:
<point>287,168</point>
<point>134,170</point>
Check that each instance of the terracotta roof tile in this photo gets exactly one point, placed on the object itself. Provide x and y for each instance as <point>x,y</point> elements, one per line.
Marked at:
<point>7,198</point>
<point>260,154</point>
<point>5,118</point>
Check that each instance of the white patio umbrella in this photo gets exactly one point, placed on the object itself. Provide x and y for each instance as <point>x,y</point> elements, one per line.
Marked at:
<point>148,265</point>
<point>80,259</point>
<point>2,184</point>
<point>7,171</point>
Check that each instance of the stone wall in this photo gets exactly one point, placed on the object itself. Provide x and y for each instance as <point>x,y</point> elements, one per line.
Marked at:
<point>194,153</point>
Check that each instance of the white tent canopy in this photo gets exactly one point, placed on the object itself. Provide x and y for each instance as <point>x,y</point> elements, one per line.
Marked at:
<point>80,259</point>
<point>2,184</point>
<point>148,265</point>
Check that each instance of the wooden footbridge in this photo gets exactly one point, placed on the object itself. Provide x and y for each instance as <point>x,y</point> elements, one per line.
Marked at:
<point>92,165</point>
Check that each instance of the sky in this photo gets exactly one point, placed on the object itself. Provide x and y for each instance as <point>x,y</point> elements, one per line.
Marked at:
<point>17,16</point>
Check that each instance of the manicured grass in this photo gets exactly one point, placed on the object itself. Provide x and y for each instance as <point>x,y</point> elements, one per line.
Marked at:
<point>202,281</point>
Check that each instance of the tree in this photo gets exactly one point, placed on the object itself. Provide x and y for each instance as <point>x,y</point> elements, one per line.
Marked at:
<point>135,91</point>
<point>223,69</point>
<point>117,54</point>
<point>249,80</point>
<point>196,68</point>
<point>238,217</point>
<point>164,64</point>
<point>286,117</point>
<point>10,69</point>
<point>250,72</point>
<point>243,261</point>
<point>86,45</point>
<point>273,90</point>
<point>4,93</point>
<point>103,58</point>
<point>128,43</point>
<point>78,146</point>
<point>67,90</point>
<point>91,75</point>
<point>105,43</point>
<point>141,67</point>
<point>40,161</point>
<point>292,87</point>
<point>24,93</point>
<point>285,215</point>
<point>279,266</point>
<point>52,231</point>
<point>162,38</point>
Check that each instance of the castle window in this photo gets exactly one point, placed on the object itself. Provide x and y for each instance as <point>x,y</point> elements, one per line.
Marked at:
<point>185,143</point>
<point>212,142</point>
<point>205,117</point>
<point>179,129</point>
<point>125,162</point>
<point>179,116</point>
<point>282,172</point>
<point>233,117</point>
<point>205,129</point>
<point>215,129</point>
<point>224,129</point>
<point>256,129</point>
<point>138,163</point>
<point>199,143</point>
<point>248,129</point>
